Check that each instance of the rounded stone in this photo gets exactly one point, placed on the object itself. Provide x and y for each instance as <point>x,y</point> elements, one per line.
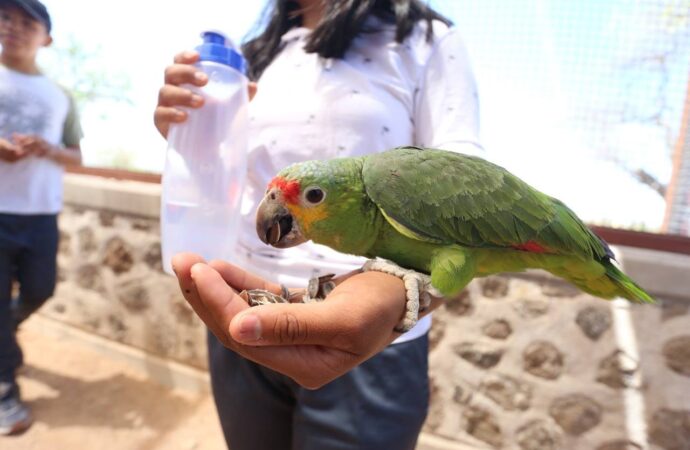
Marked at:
<point>142,225</point>
<point>494,287</point>
<point>594,321</point>
<point>117,327</point>
<point>461,304</point>
<point>508,392</point>
<point>62,273</point>
<point>134,297</point>
<point>529,309</point>
<point>616,370</point>
<point>106,218</point>
<point>160,341</point>
<point>480,424</point>
<point>89,277</point>
<point>93,323</point>
<point>118,255</point>
<point>576,413</point>
<point>182,311</point>
<point>478,354</point>
<point>86,239</point>
<point>538,435</point>
<point>542,359</point>
<point>153,257</point>
<point>64,242</point>
<point>670,429</point>
<point>677,354</point>
<point>497,329</point>
<point>463,394</point>
<point>436,333</point>
<point>558,288</point>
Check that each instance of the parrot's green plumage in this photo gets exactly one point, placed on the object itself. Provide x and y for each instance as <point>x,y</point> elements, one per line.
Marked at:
<point>453,216</point>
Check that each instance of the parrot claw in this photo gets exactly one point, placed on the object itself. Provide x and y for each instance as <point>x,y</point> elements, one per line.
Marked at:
<point>418,287</point>
<point>319,288</point>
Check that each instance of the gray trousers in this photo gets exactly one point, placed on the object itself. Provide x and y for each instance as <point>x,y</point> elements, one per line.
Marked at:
<point>381,404</point>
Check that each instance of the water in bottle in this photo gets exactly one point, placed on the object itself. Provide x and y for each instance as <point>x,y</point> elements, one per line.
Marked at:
<point>205,165</point>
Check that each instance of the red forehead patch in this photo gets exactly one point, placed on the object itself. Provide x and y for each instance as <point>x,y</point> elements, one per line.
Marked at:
<point>290,189</point>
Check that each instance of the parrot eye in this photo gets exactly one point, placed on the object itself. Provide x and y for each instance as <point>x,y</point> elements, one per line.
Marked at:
<point>314,195</point>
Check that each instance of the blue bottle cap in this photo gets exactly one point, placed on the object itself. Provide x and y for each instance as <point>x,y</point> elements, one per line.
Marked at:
<point>215,49</point>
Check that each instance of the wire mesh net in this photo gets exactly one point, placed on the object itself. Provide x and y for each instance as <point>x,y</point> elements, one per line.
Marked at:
<point>594,91</point>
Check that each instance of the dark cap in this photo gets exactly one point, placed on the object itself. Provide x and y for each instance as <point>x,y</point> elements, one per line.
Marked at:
<point>34,8</point>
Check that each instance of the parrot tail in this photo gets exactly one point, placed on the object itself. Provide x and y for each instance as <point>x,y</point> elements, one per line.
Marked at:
<point>627,288</point>
<point>601,278</point>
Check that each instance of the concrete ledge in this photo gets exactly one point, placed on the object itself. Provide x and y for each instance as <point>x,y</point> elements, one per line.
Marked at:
<point>163,371</point>
<point>663,274</point>
<point>123,196</point>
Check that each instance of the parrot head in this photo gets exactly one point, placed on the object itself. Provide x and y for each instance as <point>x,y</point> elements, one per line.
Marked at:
<point>321,201</point>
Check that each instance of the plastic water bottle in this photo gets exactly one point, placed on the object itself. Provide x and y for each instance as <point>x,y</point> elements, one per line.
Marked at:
<point>206,162</point>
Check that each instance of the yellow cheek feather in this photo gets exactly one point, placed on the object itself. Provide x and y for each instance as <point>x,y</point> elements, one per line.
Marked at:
<point>307,216</point>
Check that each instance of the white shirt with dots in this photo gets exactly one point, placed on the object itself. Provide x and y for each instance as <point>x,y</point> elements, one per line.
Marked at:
<point>381,95</point>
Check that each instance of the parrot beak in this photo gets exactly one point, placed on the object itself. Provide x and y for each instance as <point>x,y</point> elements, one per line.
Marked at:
<point>274,223</point>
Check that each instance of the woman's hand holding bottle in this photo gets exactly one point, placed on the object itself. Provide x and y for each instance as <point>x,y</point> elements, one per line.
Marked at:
<point>172,96</point>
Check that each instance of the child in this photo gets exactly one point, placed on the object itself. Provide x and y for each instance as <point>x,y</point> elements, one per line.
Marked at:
<point>39,135</point>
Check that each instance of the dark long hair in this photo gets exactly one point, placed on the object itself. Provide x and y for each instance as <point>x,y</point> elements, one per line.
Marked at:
<point>343,20</point>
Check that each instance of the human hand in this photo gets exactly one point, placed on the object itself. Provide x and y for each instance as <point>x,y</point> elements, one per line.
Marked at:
<point>172,95</point>
<point>33,145</point>
<point>10,152</point>
<point>311,343</point>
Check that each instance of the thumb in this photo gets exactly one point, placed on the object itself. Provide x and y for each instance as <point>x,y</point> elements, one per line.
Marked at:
<point>293,324</point>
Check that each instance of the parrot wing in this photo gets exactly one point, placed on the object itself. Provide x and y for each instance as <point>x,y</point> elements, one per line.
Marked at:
<point>446,197</point>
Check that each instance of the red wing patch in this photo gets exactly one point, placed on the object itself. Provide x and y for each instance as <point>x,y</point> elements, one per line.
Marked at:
<point>530,246</point>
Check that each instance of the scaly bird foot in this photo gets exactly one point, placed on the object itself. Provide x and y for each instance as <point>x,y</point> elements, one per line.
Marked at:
<point>418,287</point>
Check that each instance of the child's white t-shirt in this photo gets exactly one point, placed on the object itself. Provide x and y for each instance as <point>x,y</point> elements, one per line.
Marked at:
<point>380,95</point>
<point>34,105</point>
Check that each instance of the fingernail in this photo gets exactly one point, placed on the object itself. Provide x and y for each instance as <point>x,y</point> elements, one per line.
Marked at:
<point>197,100</point>
<point>200,76</point>
<point>194,271</point>
<point>250,328</point>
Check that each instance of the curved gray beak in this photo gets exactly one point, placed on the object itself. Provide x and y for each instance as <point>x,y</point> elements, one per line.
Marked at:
<point>275,225</point>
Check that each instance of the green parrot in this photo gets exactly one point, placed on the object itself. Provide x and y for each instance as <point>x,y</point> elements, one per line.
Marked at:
<point>448,215</point>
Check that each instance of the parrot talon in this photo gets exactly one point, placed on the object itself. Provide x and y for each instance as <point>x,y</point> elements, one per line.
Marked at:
<point>319,288</point>
<point>285,292</point>
<point>417,285</point>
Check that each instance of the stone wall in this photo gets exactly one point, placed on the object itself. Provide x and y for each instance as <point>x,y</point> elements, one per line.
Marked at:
<point>110,276</point>
<point>529,362</point>
<point>517,362</point>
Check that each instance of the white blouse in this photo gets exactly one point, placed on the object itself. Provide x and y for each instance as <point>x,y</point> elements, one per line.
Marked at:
<point>380,95</point>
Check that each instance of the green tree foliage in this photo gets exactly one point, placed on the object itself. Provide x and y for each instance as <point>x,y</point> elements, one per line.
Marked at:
<point>84,72</point>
